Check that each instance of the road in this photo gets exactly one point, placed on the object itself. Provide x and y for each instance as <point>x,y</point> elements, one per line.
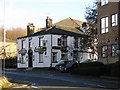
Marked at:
<point>45,77</point>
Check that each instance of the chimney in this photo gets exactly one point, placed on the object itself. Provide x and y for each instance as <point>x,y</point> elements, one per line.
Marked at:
<point>30,29</point>
<point>48,22</point>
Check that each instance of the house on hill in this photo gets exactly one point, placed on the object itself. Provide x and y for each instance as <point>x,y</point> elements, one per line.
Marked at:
<point>55,43</point>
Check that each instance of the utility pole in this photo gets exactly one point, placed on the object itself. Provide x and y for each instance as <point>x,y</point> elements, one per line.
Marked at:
<point>4,46</point>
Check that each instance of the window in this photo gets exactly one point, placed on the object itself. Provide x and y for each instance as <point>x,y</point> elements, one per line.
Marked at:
<point>23,44</point>
<point>59,41</point>
<point>54,57</point>
<point>76,42</point>
<point>40,58</point>
<point>104,2</point>
<point>104,51</point>
<point>104,25</point>
<point>64,40</point>
<point>64,56</point>
<point>23,59</point>
<point>114,20</point>
<point>113,50</point>
<point>39,41</point>
<point>30,43</point>
<point>75,56</point>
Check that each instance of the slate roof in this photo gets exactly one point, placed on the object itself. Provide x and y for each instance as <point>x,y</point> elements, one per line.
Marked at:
<point>69,22</point>
<point>68,26</point>
<point>59,30</point>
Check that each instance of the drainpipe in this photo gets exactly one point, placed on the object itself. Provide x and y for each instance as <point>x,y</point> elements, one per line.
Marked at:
<point>119,39</point>
<point>119,30</point>
<point>51,52</point>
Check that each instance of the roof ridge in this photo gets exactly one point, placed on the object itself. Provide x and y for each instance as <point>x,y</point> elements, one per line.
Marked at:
<point>74,21</point>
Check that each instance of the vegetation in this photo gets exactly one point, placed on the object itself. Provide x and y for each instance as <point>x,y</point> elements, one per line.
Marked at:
<point>98,69</point>
<point>11,62</point>
<point>93,68</point>
<point>14,33</point>
<point>91,27</point>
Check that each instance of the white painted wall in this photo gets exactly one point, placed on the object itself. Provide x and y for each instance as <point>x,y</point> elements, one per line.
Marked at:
<point>47,57</point>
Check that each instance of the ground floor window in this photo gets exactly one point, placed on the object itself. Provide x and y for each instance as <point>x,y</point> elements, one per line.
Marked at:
<point>113,50</point>
<point>40,58</point>
<point>54,57</point>
<point>64,55</point>
<point>104,50</point>
<point>23,59</point>
<point>75,56</point>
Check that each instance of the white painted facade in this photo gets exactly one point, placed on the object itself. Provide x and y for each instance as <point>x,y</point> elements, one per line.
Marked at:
<point>44,59</point>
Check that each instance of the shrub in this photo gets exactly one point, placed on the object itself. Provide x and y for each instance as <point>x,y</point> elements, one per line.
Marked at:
<point>11,63</point>
<point>94,68</point>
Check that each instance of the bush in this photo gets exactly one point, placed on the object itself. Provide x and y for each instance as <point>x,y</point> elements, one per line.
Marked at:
<point>112,69</point>
<point>115,69</point>
<point>92,64</point>
<point>94,71</point>
<point>11,63</point>
<point>94,68</point>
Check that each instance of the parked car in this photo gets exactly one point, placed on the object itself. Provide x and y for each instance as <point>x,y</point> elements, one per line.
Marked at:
<point>61,64</point>
<point>88,61</point>
<point>69,66</point>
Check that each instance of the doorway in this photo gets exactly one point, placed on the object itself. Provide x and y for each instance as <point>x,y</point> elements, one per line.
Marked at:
<point>30,57</point>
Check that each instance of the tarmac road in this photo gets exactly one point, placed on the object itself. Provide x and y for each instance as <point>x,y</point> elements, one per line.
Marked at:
<point>45,77</point>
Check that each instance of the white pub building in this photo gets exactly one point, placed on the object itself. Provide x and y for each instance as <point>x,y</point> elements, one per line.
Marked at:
<point>48,47</point>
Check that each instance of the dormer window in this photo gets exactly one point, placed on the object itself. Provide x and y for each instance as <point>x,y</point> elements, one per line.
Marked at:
<point>104,2</point>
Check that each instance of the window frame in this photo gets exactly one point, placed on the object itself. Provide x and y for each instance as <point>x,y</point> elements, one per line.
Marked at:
<point>103,2</point>
<point>30,43</point>
<point>114,53</point>
<point>115,21</point>
<point>23,59</point>
<point>104,52</point>
<point>54,54</point>
<point>23,44</point>
<point>104,26</point>
<point>64,53</point>
<point>40,58</point>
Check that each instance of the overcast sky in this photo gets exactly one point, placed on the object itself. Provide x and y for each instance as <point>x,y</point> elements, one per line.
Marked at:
<point>18,13</point>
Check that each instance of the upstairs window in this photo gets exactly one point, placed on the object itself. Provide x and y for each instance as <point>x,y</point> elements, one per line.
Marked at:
<point>114,20</point>
<point>23,44</point>
<point>64,40</point>
<point>30,43</point>
<point>76,42</point>
<point>104,2</point>
<point>59,42</point>
<point>104,25</point>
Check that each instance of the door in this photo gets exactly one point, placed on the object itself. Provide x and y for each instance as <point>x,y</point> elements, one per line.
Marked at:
<point>30,57</point>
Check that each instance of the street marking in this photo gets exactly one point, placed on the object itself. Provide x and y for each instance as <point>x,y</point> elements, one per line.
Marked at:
<point>94,85</point>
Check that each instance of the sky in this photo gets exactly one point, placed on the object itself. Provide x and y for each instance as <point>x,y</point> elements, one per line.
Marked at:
<point>18,13</point>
